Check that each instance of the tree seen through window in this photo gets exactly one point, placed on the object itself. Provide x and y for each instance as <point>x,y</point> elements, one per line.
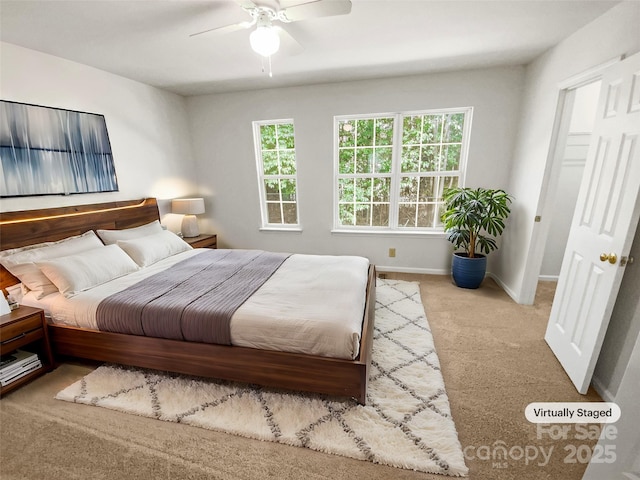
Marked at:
<point>392,170</point>
<point>276,157</point>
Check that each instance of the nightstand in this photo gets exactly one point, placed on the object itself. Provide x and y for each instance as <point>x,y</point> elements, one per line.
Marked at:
<point>25,327</point>
<point>206,240</point>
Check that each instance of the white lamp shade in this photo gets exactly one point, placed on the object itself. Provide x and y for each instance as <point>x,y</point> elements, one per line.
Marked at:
<point>187,206</point>
<point>264,40</point>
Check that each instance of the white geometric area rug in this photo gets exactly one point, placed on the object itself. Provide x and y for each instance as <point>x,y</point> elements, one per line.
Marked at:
<point>406,423</point>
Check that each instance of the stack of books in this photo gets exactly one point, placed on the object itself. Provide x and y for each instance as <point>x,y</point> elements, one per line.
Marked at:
<point>16,365</point>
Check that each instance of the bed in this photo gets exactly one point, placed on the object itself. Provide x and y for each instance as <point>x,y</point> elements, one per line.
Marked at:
<point>292,370</point>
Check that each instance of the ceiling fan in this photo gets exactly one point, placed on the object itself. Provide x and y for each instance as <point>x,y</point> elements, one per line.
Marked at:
<point>265,39</point>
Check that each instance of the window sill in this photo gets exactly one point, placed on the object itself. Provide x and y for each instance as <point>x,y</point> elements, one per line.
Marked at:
<point>393,233</point>
<point>281,229</point>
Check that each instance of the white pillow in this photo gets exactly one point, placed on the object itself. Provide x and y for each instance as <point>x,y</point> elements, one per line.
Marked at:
<point>76,273</point>
<point>110,237</point>
<point>21,262</point>
<point>146,251</point>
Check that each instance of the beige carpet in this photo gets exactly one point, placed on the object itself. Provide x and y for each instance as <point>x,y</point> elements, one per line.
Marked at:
<point>406,423</point>
<point>493,359</point>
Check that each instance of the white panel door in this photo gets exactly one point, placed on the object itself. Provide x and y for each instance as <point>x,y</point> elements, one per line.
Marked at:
<point>603,226</point>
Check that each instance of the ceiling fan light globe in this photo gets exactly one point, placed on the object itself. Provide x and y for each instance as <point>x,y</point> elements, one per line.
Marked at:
<point>265,41</point>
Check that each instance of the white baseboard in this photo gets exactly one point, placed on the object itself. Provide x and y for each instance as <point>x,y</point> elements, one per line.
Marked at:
<point>502,285</point>
<point>434,271</point>
<point>424,271</point>
<point>548,278</point>
<point>606,395</point>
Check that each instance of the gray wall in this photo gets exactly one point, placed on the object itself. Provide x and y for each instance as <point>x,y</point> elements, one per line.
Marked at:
<point>147,127</point>
<point>223,148</point>
<point>517,264</point>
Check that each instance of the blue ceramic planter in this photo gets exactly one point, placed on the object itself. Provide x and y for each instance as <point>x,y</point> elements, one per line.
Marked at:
<point>468,272</point>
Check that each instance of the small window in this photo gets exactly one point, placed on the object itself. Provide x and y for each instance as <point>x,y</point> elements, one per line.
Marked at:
<point>391,170</point>
<point>277,173</point>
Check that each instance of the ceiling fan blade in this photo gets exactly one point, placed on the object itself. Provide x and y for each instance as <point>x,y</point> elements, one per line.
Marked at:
<point>246,4</point>
<point>314,9</point>
<point>289,44</point>
<point>227,28</point>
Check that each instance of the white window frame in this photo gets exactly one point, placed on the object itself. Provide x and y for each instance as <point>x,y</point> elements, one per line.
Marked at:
<point>264,213</point>
<point>396,173</point>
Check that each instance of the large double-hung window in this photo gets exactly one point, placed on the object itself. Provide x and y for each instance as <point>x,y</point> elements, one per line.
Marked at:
<point>391,170</point>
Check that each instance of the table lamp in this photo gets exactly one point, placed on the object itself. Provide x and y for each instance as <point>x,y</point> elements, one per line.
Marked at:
<point>189,207</point>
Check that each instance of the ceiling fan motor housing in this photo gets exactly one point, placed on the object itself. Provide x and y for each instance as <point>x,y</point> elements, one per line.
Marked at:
<point>264,39</point>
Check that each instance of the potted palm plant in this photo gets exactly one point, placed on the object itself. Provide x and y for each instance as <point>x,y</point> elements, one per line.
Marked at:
<point>473,219</point>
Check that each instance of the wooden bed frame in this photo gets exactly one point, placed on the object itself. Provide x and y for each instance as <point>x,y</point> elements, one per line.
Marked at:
<point>290,371</point>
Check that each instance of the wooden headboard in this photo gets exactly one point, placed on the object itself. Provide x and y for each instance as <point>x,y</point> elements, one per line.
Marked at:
<point>27,227</point>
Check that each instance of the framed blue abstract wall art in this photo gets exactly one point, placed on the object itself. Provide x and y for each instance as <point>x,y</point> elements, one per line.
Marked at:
<point>52,151</point>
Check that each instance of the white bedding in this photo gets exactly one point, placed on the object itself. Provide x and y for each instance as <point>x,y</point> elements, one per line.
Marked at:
<point>312,304</point>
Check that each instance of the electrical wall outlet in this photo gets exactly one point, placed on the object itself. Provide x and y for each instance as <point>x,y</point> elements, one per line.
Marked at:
<point>392,252</point>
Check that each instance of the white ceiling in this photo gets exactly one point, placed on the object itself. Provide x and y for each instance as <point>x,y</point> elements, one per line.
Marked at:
<point>149,41</point>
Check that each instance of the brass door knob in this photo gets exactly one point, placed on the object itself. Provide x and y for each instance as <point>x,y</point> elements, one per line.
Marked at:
<point>612,257</point>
